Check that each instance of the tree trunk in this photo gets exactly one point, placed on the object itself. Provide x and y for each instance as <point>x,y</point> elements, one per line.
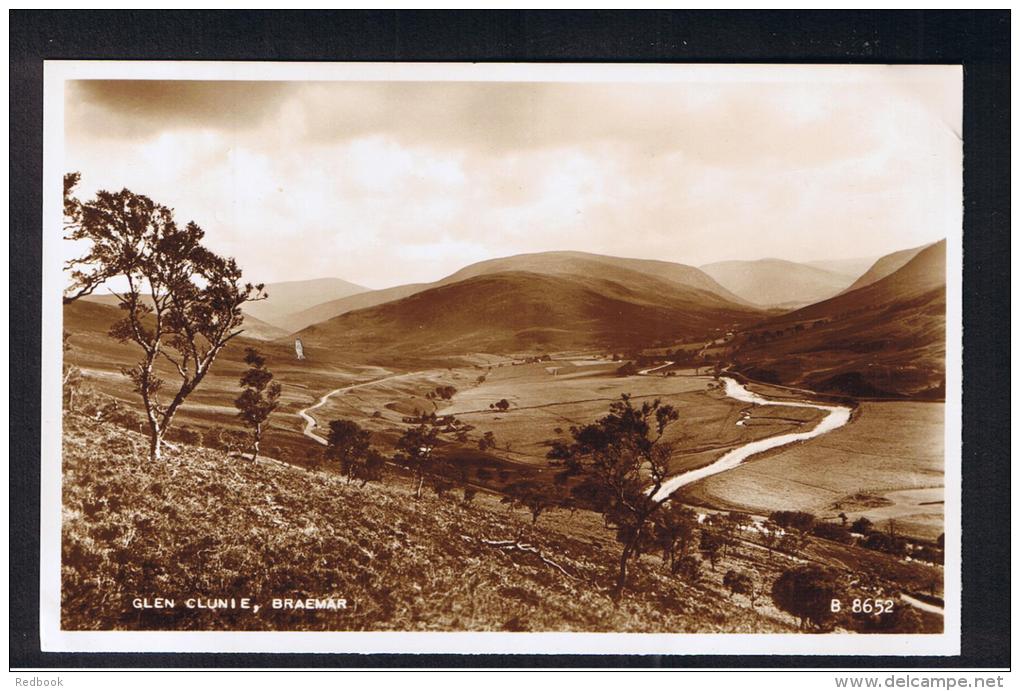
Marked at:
<point>258,440</point>
<point>155,444</point>
<point>621,578</point>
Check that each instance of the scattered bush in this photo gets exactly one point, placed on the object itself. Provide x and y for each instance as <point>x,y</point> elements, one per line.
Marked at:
<point>884,542</point>
<point>807,593</point>
<point>740,583</point>
<point>832,531</point>
<point>530,495</point>
<point>687,569</point>
<point>862,526</point>
<point>797,520</point>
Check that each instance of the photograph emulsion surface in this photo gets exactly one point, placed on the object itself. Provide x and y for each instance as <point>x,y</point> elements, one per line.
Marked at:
<point>649,356</point>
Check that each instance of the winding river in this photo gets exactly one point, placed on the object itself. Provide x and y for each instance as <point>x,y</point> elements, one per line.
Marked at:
<point>835,417</point>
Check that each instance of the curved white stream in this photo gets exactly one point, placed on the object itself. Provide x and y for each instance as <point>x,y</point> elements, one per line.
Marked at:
<point>836,417</point>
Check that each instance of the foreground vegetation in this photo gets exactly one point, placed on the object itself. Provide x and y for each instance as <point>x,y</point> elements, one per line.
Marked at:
<point>206,524</point>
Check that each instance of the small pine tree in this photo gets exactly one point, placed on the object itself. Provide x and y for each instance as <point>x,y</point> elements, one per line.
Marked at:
<point>348,444</point>
<point>259,398</point>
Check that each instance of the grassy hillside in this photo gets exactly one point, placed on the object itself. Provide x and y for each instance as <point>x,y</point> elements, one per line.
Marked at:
<point>633,272</point>
<point>205,525</point>
<point>884,266</point>
<point>328,309</point>
<point>288,297</point>
<point>777,282</point>
<point>618,269</point>
<point>520,311</point>
<point>271,318</point>
<point>851,268</point>
<point>886,339</point>
<point>254,328</point>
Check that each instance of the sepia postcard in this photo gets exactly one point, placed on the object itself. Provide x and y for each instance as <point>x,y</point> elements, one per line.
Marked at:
<point>501,358</point>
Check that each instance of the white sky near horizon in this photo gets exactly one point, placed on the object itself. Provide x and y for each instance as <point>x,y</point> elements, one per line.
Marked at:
<point>384,183</point>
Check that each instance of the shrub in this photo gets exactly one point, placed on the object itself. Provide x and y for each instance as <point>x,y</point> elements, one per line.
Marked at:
<point>883,542</point>
<point>531,495</point>
<point>798,520</point>
<point>185,435</point>
<point>862,525</point>
<point>711,545</point>
<point>488,441</point>
<point>348,444</point>
<point>807,593</point>
<point>832,531</point>
<point>688,569</point>
<point>740,583</point>
<point>674,529</point>
<point>440,485</point>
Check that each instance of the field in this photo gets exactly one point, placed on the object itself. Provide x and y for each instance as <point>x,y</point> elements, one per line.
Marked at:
<point>886,464</point>
<point>547,398</point>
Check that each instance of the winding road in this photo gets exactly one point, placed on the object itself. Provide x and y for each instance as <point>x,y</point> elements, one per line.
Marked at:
<point>836,417</point>
<point>655,369</point>
<point>310,422</point>
<point>922,605</point>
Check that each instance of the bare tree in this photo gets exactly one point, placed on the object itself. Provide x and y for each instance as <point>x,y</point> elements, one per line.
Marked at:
<point>182,303</point>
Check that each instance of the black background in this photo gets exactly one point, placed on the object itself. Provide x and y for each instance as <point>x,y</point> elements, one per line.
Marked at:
<point>978,40</point>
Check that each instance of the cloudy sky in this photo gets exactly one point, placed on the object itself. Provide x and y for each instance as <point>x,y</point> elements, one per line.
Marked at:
<point>383,183</point>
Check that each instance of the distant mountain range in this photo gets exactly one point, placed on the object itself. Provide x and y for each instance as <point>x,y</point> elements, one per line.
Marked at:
<point>882,334</point>
<point>848,267</point>
<point>547,263</point>
<point>883,338</point>
<point>885,266</point>
<point>289,297</point>
<point>778,283</point>
<point>265,319</point>
<point>540,301</point>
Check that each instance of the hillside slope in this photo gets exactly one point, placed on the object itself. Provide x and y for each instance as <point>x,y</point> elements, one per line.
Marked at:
<point>851,268</point>
<point>518,311</point>
<point>288,297</point>
<point>777,282</point>
<point>323,311</point>
<point>884,266</point>
<point>884,339</point>
<point>205,525</point>
<point>270,318</point>
<point>576,264</point>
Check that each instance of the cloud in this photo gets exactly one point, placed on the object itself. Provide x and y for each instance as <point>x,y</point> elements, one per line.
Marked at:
<point>133,108</point>
<point>392,182</point>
